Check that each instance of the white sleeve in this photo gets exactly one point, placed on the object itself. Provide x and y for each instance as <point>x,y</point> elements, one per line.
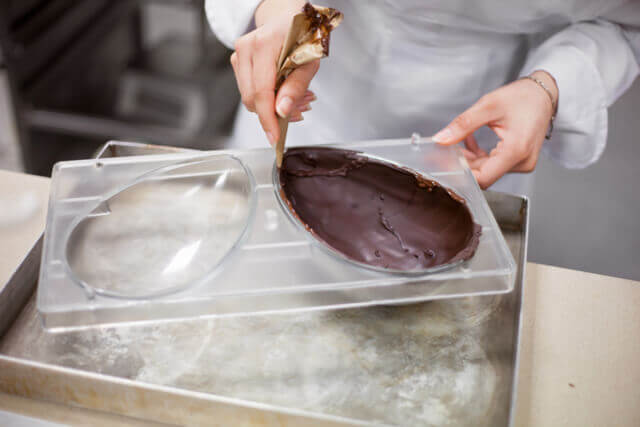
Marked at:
<point>593,63</point>
<point>230,19</point>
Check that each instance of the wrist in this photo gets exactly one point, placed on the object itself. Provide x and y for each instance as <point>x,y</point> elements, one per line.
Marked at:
<point>550,83</point>
<point>268,10</point>
<point>547,83</point>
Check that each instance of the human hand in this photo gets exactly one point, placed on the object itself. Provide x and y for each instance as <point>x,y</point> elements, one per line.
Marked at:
<point>519,114</point>
<point>254,64</point>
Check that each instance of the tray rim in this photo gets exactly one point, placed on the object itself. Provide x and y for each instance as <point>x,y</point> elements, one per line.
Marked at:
<point>520,278</point>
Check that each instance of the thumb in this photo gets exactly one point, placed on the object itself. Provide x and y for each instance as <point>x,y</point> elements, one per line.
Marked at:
<point>294,88</point>
<point>479,114</point>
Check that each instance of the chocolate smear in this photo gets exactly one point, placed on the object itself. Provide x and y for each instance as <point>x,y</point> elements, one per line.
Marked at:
<point>375,212</point>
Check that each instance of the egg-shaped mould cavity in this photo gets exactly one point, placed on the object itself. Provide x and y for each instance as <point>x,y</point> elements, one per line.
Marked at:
<point>168,230</point>
<point>372,213</point>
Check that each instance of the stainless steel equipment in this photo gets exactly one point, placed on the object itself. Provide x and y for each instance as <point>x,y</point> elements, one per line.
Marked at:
<point>451,362</point>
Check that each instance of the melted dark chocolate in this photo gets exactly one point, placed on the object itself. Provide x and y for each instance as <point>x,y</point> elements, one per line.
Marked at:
<point>374,212</point>
<point>320,25</point>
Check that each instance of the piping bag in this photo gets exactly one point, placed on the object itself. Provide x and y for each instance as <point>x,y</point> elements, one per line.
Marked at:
<point>306,41</point>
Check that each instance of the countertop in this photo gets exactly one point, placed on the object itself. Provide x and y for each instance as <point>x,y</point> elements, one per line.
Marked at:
<point>580,347</point>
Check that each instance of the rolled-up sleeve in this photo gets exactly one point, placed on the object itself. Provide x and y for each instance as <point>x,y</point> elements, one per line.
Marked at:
<point>230,19</point>
<point>593,63</point>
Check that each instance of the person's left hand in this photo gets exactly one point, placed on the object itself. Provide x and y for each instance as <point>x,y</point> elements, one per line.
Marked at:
<point>519,114</point>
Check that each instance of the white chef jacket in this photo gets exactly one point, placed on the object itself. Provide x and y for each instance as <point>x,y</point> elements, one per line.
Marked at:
<point>403,66</point>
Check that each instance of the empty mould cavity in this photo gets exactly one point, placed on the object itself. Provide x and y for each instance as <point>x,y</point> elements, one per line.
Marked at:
<point>168,230</point>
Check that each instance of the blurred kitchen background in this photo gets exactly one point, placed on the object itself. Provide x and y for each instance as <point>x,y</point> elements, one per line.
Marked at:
<point>75,74</point>
<point>83,72</point>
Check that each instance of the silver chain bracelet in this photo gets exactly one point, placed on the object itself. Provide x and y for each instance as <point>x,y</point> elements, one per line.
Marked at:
<point>554,104</point>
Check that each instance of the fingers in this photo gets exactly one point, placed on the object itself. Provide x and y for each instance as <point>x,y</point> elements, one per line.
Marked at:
<point>255,72</point>
<point>254,66</point>
<point>473,150</point>
<point>486,172</point>
<point>264,80</point>
<point>483,112</point>
<point>476,163</point>
<point>472,145</point>
<point>294,88</point>
<point>517,124</point>
<point>303,106</point>
<point>242,63</point>
<point>468,155</point>
<point>309,96</point>
<point>296,118</point>
<point>494,167</point>
<point>502,159</point>
<point>527,165</point>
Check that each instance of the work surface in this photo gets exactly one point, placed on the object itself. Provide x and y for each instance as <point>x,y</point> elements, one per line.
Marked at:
<point>579,345</point>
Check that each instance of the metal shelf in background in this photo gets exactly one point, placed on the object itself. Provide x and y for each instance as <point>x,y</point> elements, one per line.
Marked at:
<point>100,127</point>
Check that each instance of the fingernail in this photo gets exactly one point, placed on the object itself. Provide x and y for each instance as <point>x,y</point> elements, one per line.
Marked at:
<point>305,107</point>
<point>284,107</point>
<point>271,138</point>
<point>297,118</point>
<point>443,136</point>
<point>310,98</point>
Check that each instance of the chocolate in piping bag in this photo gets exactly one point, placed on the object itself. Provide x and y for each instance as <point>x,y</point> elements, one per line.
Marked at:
<point>307,40</point>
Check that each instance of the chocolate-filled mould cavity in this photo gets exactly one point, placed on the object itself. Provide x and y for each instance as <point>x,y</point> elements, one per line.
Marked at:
<point>375,213</point>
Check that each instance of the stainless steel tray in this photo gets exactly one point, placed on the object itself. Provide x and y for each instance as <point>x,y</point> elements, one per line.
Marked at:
<point>451,362</point>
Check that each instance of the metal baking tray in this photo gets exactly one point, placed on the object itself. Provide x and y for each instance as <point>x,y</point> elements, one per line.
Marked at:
<point>445,362</point>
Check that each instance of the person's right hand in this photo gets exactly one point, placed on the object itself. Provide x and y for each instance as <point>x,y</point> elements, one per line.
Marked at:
<point>254,63</point>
